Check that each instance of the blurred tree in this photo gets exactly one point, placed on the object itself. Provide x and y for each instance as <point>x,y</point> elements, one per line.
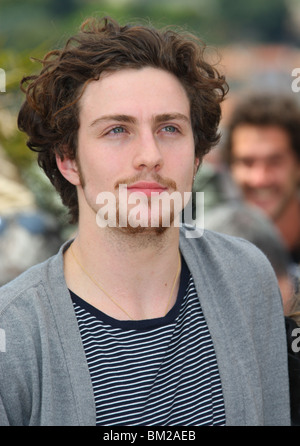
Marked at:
<point>61,8</point>
<point>17,64</point>
<point>24,24</point>
<point>255,20</point>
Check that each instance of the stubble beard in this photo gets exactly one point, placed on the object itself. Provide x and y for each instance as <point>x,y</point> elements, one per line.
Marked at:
<point>147,229</point>
<point>280,208</point>
<point>147,232</point>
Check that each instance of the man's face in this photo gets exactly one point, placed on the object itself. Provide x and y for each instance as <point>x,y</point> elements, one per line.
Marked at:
<point>135,129</point>
<point>265,167</point>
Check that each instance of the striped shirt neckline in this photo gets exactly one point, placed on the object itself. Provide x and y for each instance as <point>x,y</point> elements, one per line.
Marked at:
<point>155,372</point>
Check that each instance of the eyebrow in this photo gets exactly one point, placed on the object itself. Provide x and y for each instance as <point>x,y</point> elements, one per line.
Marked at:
<point>130,119</point>
<point>273,156</point>
<point>118,118</point>
<point>171,117</point>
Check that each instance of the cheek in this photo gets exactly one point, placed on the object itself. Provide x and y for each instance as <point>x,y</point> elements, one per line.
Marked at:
<point>288,176</point>
<point>237,175</point>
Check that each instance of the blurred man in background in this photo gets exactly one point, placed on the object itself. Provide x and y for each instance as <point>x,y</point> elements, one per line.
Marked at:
<point>263,152</point>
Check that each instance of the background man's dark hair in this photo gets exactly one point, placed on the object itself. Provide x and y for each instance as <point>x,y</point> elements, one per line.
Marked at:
<point>265,109</point>
<point>50,113</point>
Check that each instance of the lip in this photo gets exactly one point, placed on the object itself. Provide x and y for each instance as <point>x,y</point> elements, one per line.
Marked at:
<point>263,195</point>
<point>147,187</point>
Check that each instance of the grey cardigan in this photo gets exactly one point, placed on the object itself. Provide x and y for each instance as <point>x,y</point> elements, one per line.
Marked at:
<point>44,377</point>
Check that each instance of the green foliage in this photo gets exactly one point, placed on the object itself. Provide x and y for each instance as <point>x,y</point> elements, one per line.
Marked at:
<point>255,20</point>
<point>23,24</point>
<point>16,65</point>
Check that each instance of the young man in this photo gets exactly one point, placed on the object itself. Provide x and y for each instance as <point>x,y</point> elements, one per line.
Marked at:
<point>263,150</point>
<point>134,322</point>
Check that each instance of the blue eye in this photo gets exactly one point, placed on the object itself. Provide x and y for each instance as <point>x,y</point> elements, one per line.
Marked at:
<point>169,129</point>
<point>117,130</point>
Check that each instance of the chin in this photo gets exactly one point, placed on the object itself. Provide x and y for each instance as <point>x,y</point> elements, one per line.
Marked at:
<point>142,230</point>
<point>146,225</point>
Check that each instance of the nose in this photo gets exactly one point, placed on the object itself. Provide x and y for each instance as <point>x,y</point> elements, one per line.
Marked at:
<point>147,153</point>
<point>259,175</point>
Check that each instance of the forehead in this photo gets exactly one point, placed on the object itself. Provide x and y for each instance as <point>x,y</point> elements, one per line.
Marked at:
<point>135,91</point>
<point>261,141</point>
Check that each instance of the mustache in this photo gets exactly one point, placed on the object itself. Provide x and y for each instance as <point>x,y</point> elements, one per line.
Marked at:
<point>165,182</point>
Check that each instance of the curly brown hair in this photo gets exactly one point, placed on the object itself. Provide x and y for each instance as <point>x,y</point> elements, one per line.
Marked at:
<point>50,113</point>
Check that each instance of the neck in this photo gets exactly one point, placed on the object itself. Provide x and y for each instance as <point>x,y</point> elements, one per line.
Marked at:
<point>288,224</point>
<point>137,270</point>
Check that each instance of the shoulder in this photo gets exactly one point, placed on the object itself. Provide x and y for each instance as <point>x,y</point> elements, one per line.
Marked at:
<point>25,306</point>
<point>21,285</point>
<point>231,268</point>
<point>228,250</point>
<point>27,288</point>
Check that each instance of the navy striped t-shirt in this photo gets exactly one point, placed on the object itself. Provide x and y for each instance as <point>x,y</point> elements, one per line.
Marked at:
<point>160,371</point>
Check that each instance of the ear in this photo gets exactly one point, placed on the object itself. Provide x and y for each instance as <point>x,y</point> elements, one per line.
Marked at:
<point>69,169</point>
